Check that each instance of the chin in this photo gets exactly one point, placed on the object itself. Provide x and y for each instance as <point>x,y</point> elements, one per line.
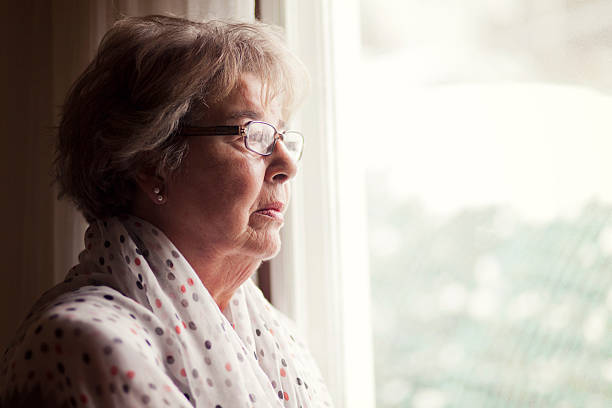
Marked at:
<point>271,248</point>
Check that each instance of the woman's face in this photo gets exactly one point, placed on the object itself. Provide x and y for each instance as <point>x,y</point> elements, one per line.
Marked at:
<point>226,199</point>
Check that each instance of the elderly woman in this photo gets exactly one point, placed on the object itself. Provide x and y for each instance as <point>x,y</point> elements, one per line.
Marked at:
<point>173,145</point>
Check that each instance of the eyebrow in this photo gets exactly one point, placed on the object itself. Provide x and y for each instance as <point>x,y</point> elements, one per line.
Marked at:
<point>254,116</point>
<point>245,114</point>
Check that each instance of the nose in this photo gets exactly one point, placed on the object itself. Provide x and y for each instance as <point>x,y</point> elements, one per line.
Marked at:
<point>282,167</point>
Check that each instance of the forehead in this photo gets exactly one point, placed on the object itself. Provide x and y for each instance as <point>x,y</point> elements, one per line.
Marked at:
<point>250,99</point>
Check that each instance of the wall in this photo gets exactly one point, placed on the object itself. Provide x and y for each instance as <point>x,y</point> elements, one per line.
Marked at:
<point>45,45</point>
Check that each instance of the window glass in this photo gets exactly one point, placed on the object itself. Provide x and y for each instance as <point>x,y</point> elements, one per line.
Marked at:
<point>488,133</point>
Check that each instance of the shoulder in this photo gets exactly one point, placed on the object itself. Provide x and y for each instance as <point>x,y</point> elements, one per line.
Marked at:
<point>91,344</point>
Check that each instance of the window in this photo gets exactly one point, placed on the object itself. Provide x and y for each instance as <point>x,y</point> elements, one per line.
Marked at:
<point>488,202</point>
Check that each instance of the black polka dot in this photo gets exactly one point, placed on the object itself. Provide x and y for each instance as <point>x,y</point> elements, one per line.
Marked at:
<point>60,368</point>
<point>86,358</point>
<point>159,331</point>
<point>145,399</point>
<point>101,260</point>
<point>139,285</point>
<point>192,326</point>
<point>106,244</point>
<point>252,397</point>
<point>299,382</point>
<point>258,332</point>
<point>280,394</point>
<point>121,239</point>
<point>207,344</point>
<point>108,297</point>
<point>38,329</point>
<point>126,388</point>
<point>170,359</point>
<point>28,355</point>
<point>59,333</point>
<point>44,347</point>
<point>283,362</point>
<point>171,276</point>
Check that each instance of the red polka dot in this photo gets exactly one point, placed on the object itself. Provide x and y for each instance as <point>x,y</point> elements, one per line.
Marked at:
<point>286,396</point>
<point>228,366</point>
<point>167,388</point>
<point>130,374</point>
<point>282,372</point>
<point>138,224</point>
<point>49,375</point>
<point>132,330</point>
<point>137,261</point>
<point>183,373</point>
<point>177,329</point>
<point>114,370</point>
<point>157,302</point>
<point>58,349</point>
<point>83,398</point>
<point>184,325</point>
<point>271,331</point>
<point>183,288</point>
<point>190,282</point>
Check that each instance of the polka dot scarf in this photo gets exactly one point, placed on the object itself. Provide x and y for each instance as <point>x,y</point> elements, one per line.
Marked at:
<point>132,325</point>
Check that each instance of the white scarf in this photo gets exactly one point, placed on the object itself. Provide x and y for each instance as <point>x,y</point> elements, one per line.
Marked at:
<point>136,327</point>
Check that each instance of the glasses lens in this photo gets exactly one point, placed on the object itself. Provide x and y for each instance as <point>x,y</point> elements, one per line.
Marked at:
<point>260,137</point>
<point>294,142</point>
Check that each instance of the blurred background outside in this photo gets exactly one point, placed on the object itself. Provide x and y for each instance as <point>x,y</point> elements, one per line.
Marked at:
<point>488,133</point>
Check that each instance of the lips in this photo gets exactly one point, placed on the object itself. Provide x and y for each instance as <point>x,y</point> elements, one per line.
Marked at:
<point>272,210</point>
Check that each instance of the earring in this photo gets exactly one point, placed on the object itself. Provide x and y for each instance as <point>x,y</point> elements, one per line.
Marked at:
<point>160,198</point>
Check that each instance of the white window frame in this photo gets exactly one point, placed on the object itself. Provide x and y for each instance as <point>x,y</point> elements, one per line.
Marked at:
<point>321,277</point>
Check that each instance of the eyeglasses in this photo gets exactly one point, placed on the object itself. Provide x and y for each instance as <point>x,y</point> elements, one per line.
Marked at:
<point>259,137</point>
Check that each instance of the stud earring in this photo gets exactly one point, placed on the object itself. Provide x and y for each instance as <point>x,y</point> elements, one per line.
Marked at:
<point>160,198</point>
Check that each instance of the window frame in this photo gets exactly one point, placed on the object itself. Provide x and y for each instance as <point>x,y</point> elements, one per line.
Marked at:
<point>321,279</point>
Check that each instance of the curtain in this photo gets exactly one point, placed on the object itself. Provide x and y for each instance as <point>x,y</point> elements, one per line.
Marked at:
<point>45,46</point>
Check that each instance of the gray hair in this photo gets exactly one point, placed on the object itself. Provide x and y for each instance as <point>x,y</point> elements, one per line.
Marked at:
<point>150,73</point>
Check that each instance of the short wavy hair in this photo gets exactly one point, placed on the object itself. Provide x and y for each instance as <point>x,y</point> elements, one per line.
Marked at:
<point>149,74</point>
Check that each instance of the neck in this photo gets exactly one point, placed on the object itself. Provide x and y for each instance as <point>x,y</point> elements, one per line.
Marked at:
<point>221,271</point>
<point>221,274</point>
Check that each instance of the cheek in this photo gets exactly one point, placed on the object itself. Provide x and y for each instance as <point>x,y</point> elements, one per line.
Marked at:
<point>240,182</point>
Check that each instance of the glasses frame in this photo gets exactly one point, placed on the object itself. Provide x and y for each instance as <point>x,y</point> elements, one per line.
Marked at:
<point>237,130</point>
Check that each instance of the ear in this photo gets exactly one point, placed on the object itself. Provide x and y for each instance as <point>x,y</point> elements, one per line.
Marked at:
<point>152,186</point>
